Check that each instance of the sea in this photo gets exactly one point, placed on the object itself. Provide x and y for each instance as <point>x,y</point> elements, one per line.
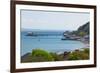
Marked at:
<point>50,41</point>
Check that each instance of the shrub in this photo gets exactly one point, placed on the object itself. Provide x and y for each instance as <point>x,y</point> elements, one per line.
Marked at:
<point>40,55</point>
<point>56,57</point>
<point>79,55</point>
<point>86,50</point>
<point>73,56</point>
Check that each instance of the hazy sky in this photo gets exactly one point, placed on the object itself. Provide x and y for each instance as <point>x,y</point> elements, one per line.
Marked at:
<point>49,20</point>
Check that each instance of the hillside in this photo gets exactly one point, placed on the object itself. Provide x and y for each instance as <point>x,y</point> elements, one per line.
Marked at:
<point>84,28</point>
<point>81,31</point>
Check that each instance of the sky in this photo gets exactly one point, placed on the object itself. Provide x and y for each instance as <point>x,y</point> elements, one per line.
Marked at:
<point>52,20</point>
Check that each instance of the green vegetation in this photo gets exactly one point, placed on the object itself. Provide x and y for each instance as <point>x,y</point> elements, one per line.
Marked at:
<point>81,31</point>
<point>84,28</point>
<point>56,57</point>
<point>79,55</point>
<point>40,55</point>
<point>82,34</point>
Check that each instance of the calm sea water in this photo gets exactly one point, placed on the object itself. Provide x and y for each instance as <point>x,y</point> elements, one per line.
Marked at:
<point>48,40</point>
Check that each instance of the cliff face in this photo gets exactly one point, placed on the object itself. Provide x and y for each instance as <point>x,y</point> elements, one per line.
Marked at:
<point>85,28</point>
